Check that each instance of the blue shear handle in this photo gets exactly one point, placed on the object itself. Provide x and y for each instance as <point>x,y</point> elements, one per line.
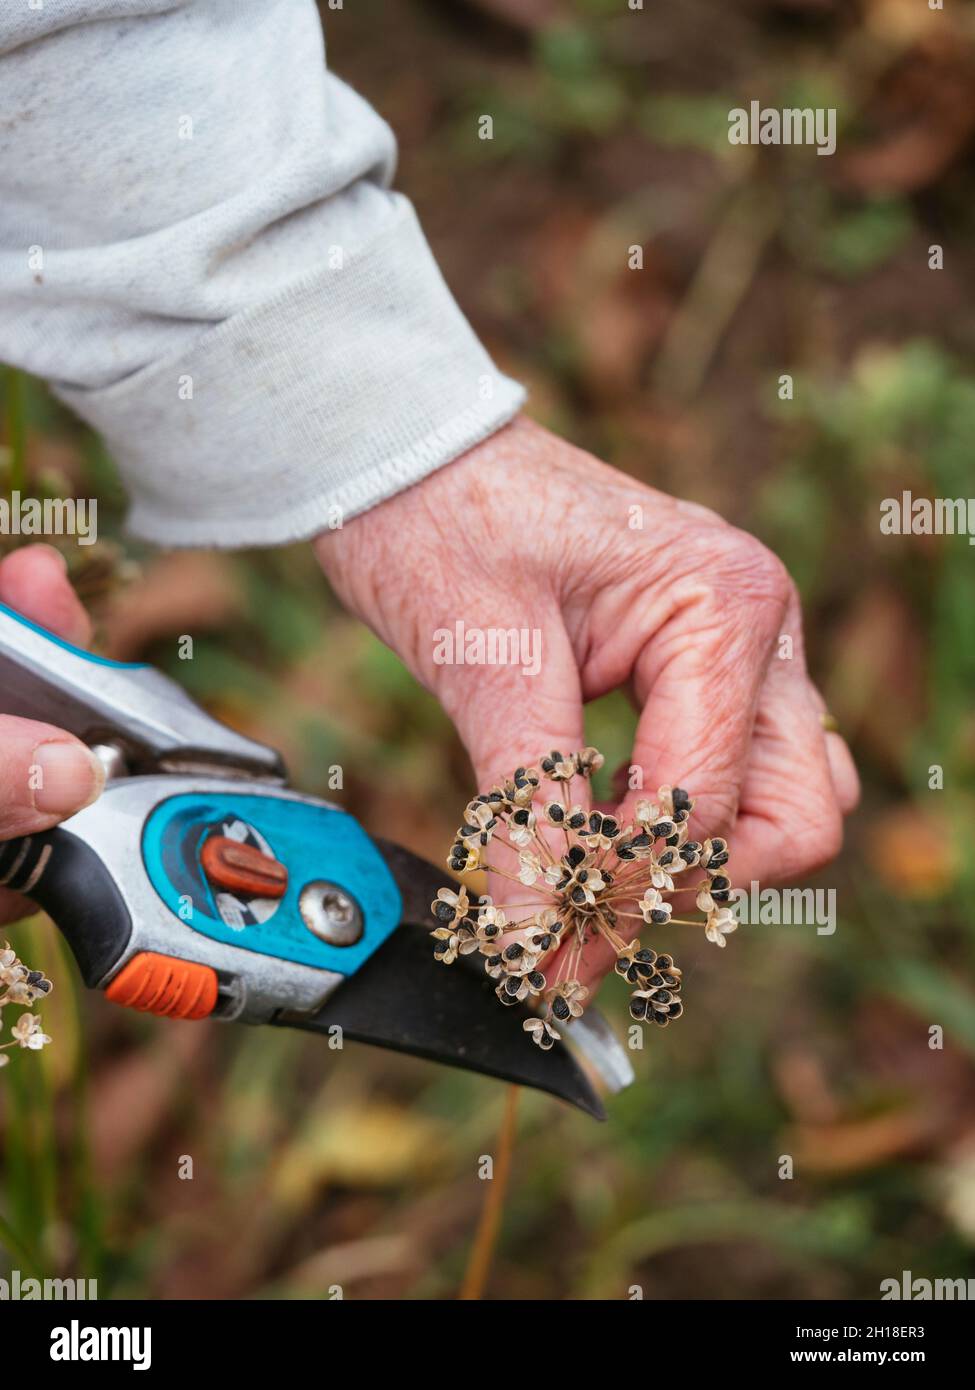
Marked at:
<point>312,841</point>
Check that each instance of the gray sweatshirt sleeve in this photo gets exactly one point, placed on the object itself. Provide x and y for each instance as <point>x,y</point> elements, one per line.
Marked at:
<point>200,252</point>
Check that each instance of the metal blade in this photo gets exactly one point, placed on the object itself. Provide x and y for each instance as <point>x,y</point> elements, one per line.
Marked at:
<point>404,999</point>
<point>594,1037</point>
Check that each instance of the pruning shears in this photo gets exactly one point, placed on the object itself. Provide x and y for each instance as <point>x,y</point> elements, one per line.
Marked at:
<point>199,885</point>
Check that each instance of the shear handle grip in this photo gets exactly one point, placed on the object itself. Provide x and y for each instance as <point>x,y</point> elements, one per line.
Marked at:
<point>66,877</point>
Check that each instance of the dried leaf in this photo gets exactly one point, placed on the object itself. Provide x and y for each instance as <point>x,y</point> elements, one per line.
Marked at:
<point>911,846</point>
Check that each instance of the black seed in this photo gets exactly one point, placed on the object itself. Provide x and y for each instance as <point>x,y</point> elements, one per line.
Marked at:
<point>575,855</point>
<point>536,979</point>
<point>577,821</point>
<point>444,911</point>
<point>645,954</point>
<point>512,985</point>
<point>665,962</point>
<point>638,1008</point>
<point>513,951</point>
<point>680,798</point>
<point>560,1008</point>
<point>577,895</point>
<point>658,916</point>
<point>556,813</point>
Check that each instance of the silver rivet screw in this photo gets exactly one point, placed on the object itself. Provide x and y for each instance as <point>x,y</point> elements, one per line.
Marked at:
<point>330,913</point>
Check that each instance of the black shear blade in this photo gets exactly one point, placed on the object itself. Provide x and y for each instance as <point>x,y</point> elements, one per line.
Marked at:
<point>404,999</point>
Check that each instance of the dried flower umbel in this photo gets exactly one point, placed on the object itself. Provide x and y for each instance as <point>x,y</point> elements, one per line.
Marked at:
<point>21,985</point>
<point>603,876</point>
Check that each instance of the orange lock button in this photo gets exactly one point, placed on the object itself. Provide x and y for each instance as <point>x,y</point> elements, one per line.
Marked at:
<point>159,984</point>
<point>242,868</point>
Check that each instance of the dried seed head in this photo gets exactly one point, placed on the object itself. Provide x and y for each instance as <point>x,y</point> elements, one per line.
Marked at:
<point>603,874</point>
<point>20,985</point>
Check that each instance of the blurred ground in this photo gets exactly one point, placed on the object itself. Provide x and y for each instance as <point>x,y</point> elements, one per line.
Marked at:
<point>610,131</point>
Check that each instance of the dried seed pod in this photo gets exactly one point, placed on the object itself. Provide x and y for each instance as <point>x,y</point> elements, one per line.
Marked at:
<point>591,886</point>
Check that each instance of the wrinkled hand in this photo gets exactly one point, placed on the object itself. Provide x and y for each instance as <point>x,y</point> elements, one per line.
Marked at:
<point>525,531</point>
<point>46,774</point>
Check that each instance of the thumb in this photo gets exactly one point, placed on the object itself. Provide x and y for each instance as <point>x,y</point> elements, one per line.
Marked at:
<point>45,776</point>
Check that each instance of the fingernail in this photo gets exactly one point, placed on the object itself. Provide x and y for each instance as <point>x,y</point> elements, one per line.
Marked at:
<point>65,777</point>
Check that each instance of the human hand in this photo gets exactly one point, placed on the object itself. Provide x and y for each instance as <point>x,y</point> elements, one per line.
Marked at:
<point>46,774</point>
<point>525,531</point>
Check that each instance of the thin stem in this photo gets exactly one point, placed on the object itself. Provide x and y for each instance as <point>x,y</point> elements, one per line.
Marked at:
<point>503,907</point>
<point>546,851</point>
<point>632,877</point>
<point>489,1225</point>
<point>492,869</point>
<point>504,841</point>
<point>606,931</point>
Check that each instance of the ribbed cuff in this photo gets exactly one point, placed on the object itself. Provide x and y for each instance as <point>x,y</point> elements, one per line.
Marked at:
<point>348,387</point>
